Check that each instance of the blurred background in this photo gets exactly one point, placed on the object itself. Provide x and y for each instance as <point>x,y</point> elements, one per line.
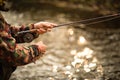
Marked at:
<point>75,52</point>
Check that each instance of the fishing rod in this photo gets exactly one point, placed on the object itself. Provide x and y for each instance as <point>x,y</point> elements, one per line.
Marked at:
<point>86,22</point>
<point>28,36</point>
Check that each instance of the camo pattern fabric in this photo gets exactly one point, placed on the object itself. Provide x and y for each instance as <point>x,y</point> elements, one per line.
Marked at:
<point>10,51</point>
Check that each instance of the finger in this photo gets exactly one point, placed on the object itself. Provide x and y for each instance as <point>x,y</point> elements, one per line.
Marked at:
<point>40,31</point>
<point>42,47</point>
<point>52,25</point>
<point>49,29</point>
<point>49,25</point>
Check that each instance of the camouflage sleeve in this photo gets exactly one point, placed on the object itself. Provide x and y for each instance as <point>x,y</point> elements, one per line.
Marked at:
<point>20,38</point>
<point>14,53</point>
<point>24,55</point>
<point>17,54</point>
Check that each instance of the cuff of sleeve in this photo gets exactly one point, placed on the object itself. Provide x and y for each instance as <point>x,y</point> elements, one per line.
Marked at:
<point>31,26</point>
<point>36,52</point>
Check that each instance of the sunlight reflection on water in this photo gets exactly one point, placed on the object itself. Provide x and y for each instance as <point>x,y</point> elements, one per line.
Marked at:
<point>81,40</point>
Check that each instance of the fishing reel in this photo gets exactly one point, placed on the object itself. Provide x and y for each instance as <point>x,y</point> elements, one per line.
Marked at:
<point>27,37</point>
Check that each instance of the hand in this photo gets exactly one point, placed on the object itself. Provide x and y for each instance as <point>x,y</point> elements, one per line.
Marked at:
<point>39,50</point>
<point>41,47</point>
<point>44,27</point>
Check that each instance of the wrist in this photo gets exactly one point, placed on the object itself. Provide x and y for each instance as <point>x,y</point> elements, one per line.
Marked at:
<point>31,26</point>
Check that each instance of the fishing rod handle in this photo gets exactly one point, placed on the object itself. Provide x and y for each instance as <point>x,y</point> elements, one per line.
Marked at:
<point>27,31</point>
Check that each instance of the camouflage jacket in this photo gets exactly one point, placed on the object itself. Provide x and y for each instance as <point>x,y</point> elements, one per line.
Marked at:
<point>10,51</point>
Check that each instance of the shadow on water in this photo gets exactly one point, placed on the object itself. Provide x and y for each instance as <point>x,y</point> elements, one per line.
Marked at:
<point>90,53</point>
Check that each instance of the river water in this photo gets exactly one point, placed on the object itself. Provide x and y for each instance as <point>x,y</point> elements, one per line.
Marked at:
<point>80,53</point>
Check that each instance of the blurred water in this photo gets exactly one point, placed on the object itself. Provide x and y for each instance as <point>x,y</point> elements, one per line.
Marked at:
<point>72,53</point>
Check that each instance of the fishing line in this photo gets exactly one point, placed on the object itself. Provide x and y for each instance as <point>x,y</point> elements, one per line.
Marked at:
<point>109,19</point>
<point>88,20</point>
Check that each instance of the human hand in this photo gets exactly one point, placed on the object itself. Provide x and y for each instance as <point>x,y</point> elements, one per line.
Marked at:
<point>43,27</point>
<point>39,51</point>
<point>41,47</point>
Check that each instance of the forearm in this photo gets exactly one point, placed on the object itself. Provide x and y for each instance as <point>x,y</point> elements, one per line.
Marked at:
<point>16,54</point>
<point>21,55</point>
<point>25,55</point>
